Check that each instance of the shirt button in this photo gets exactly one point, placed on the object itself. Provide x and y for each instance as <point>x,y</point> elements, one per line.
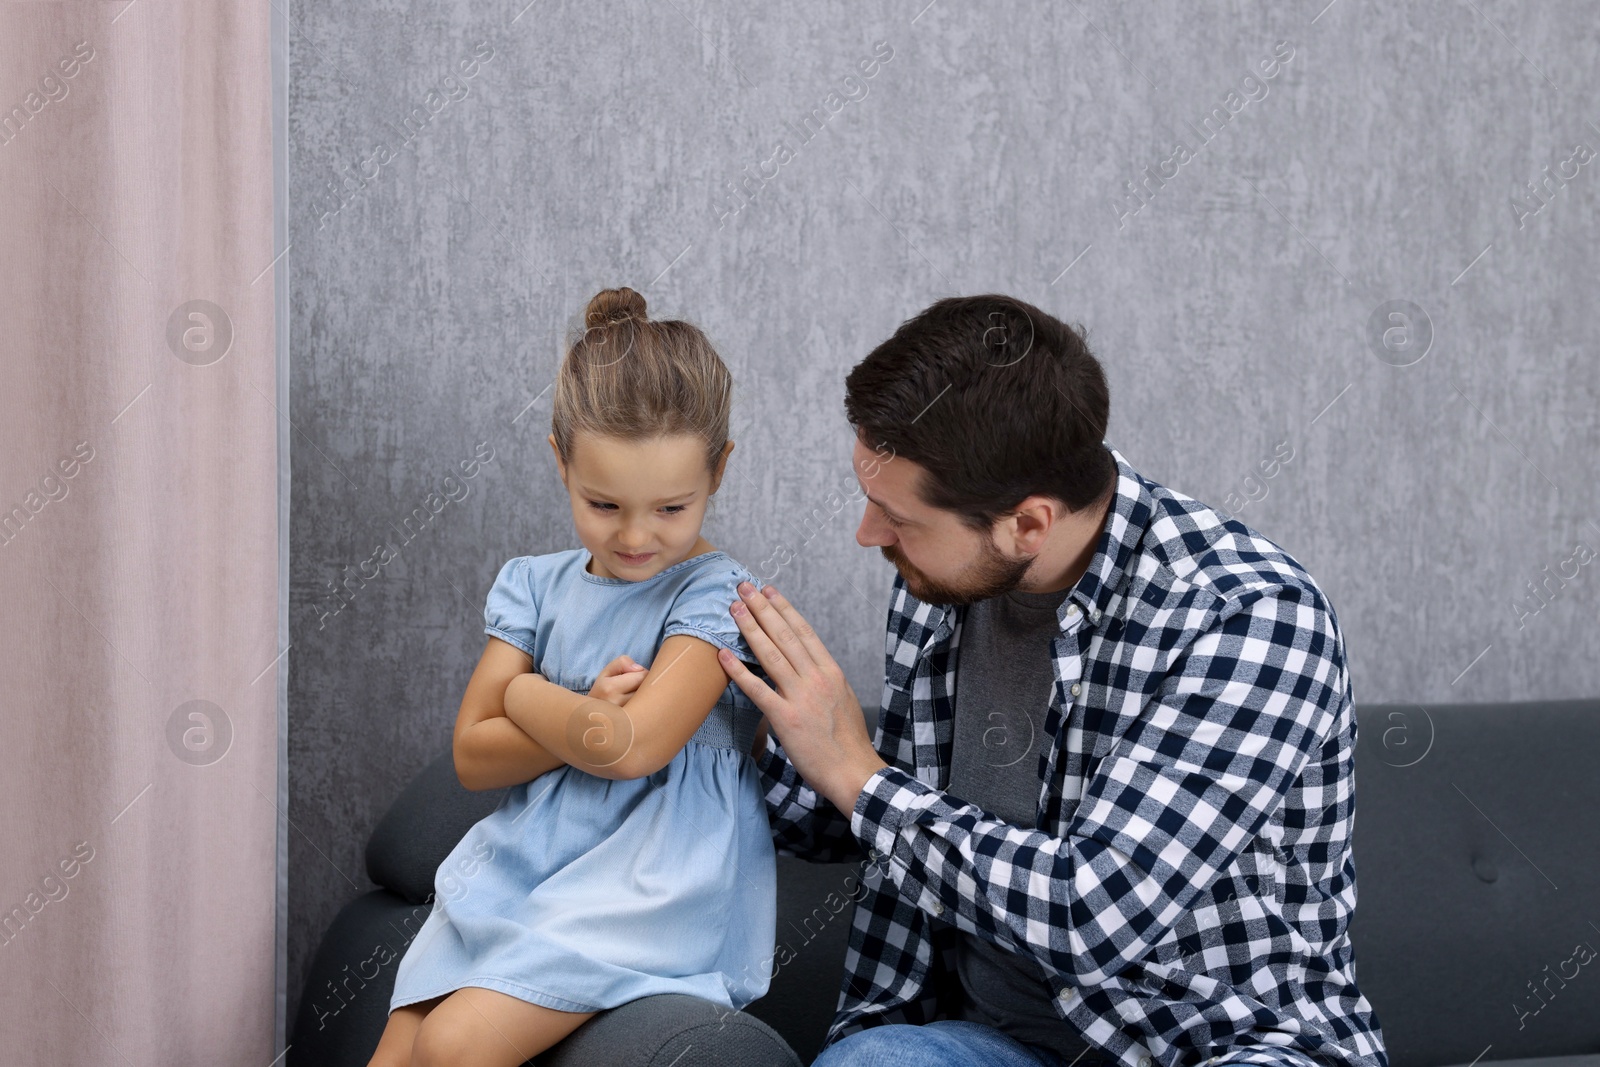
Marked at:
<point>1065,994</point>
<point>1076,689</point>
<point>1072,609</point>
<point>1094,616</point>
<point>938,908</point>
<point>1144,1061</point>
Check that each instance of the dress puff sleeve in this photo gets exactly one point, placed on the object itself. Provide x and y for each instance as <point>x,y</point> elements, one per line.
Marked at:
<point>701,609</point>
<point>511,612</point>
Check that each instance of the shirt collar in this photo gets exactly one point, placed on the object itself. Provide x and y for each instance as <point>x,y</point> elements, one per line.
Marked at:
<point>1125,523</point>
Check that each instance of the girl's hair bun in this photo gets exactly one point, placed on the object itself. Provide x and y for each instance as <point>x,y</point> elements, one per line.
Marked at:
<point>614,305</point>
<point>627,377</point>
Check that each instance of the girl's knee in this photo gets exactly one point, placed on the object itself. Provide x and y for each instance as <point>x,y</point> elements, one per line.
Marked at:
<point>394,1047</point>
<point>442,1041</point>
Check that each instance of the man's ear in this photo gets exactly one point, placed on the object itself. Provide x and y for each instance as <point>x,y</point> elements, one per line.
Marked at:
<point>561,467</point>
<point>1034,517</point>
<point>722,465</point>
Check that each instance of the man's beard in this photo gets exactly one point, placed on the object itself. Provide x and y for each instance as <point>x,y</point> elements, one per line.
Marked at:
<point>992,576</point>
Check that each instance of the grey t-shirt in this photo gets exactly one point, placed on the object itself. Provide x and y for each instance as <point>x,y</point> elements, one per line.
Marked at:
<point>1004,681</point>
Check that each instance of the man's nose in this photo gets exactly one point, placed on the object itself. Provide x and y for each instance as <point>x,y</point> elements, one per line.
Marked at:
<point>872,534</point>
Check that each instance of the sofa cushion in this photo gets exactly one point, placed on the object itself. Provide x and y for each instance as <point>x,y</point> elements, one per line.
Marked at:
<point>1478,879</point>
<point>424,823</point>
<point>671,1030</point>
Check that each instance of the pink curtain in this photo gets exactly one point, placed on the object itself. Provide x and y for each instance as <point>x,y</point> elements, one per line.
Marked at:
<point>139,569</point>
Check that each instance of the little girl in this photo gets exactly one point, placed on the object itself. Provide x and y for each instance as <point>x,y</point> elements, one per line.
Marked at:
<point>638,859</point>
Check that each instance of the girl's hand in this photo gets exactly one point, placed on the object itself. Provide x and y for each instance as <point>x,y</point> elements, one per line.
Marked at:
<point>618,681</point>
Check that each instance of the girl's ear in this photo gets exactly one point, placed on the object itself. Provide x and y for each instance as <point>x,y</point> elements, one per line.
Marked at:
<point>561,467</point>
<point>722,465</point>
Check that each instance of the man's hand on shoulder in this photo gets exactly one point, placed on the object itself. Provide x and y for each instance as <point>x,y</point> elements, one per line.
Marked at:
<point>814,713</point>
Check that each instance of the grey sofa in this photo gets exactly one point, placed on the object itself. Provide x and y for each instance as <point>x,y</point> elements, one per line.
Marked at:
<point>1477,850</point>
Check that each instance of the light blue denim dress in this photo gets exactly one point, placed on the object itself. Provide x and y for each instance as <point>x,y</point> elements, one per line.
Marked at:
<point>582,893</point>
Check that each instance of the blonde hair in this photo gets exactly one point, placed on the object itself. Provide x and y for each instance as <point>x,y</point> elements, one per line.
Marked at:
<point>631,378</point>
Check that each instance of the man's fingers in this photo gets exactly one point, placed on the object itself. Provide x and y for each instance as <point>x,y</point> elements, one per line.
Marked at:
<point>785,631</point>
<point>760,694</point>
<point>804,634</point>
<point>772,658</point>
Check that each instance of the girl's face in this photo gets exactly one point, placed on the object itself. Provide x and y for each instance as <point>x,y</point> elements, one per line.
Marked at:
<point>638,505</point>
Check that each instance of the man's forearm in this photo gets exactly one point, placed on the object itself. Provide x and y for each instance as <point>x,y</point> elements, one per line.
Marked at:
<point>844,784</point>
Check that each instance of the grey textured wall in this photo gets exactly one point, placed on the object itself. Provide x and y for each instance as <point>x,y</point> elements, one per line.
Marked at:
<point>1233,242</point>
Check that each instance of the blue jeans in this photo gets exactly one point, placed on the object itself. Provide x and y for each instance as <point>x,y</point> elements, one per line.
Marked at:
<point>941,1043</point>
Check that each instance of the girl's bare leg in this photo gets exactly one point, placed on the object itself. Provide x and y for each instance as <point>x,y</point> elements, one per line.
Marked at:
<point>476,1027</point>
<point>394,1047</point>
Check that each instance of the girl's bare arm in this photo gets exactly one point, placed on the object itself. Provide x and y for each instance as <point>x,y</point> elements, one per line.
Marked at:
<point>491,751</point>
<point>683,684</point>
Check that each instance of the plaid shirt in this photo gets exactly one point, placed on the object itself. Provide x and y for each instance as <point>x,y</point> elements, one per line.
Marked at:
<point>1190,883</point>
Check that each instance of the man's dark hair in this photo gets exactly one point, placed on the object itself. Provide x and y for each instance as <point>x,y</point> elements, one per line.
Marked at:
<point>995,399</point>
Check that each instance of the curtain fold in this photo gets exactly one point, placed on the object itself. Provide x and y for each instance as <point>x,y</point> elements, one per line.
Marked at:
<point>139,535</point>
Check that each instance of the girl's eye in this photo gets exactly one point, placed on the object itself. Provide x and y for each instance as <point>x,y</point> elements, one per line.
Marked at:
<point>670,509</point>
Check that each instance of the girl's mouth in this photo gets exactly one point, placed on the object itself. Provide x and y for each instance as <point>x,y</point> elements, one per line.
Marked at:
<point>634,561</point>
